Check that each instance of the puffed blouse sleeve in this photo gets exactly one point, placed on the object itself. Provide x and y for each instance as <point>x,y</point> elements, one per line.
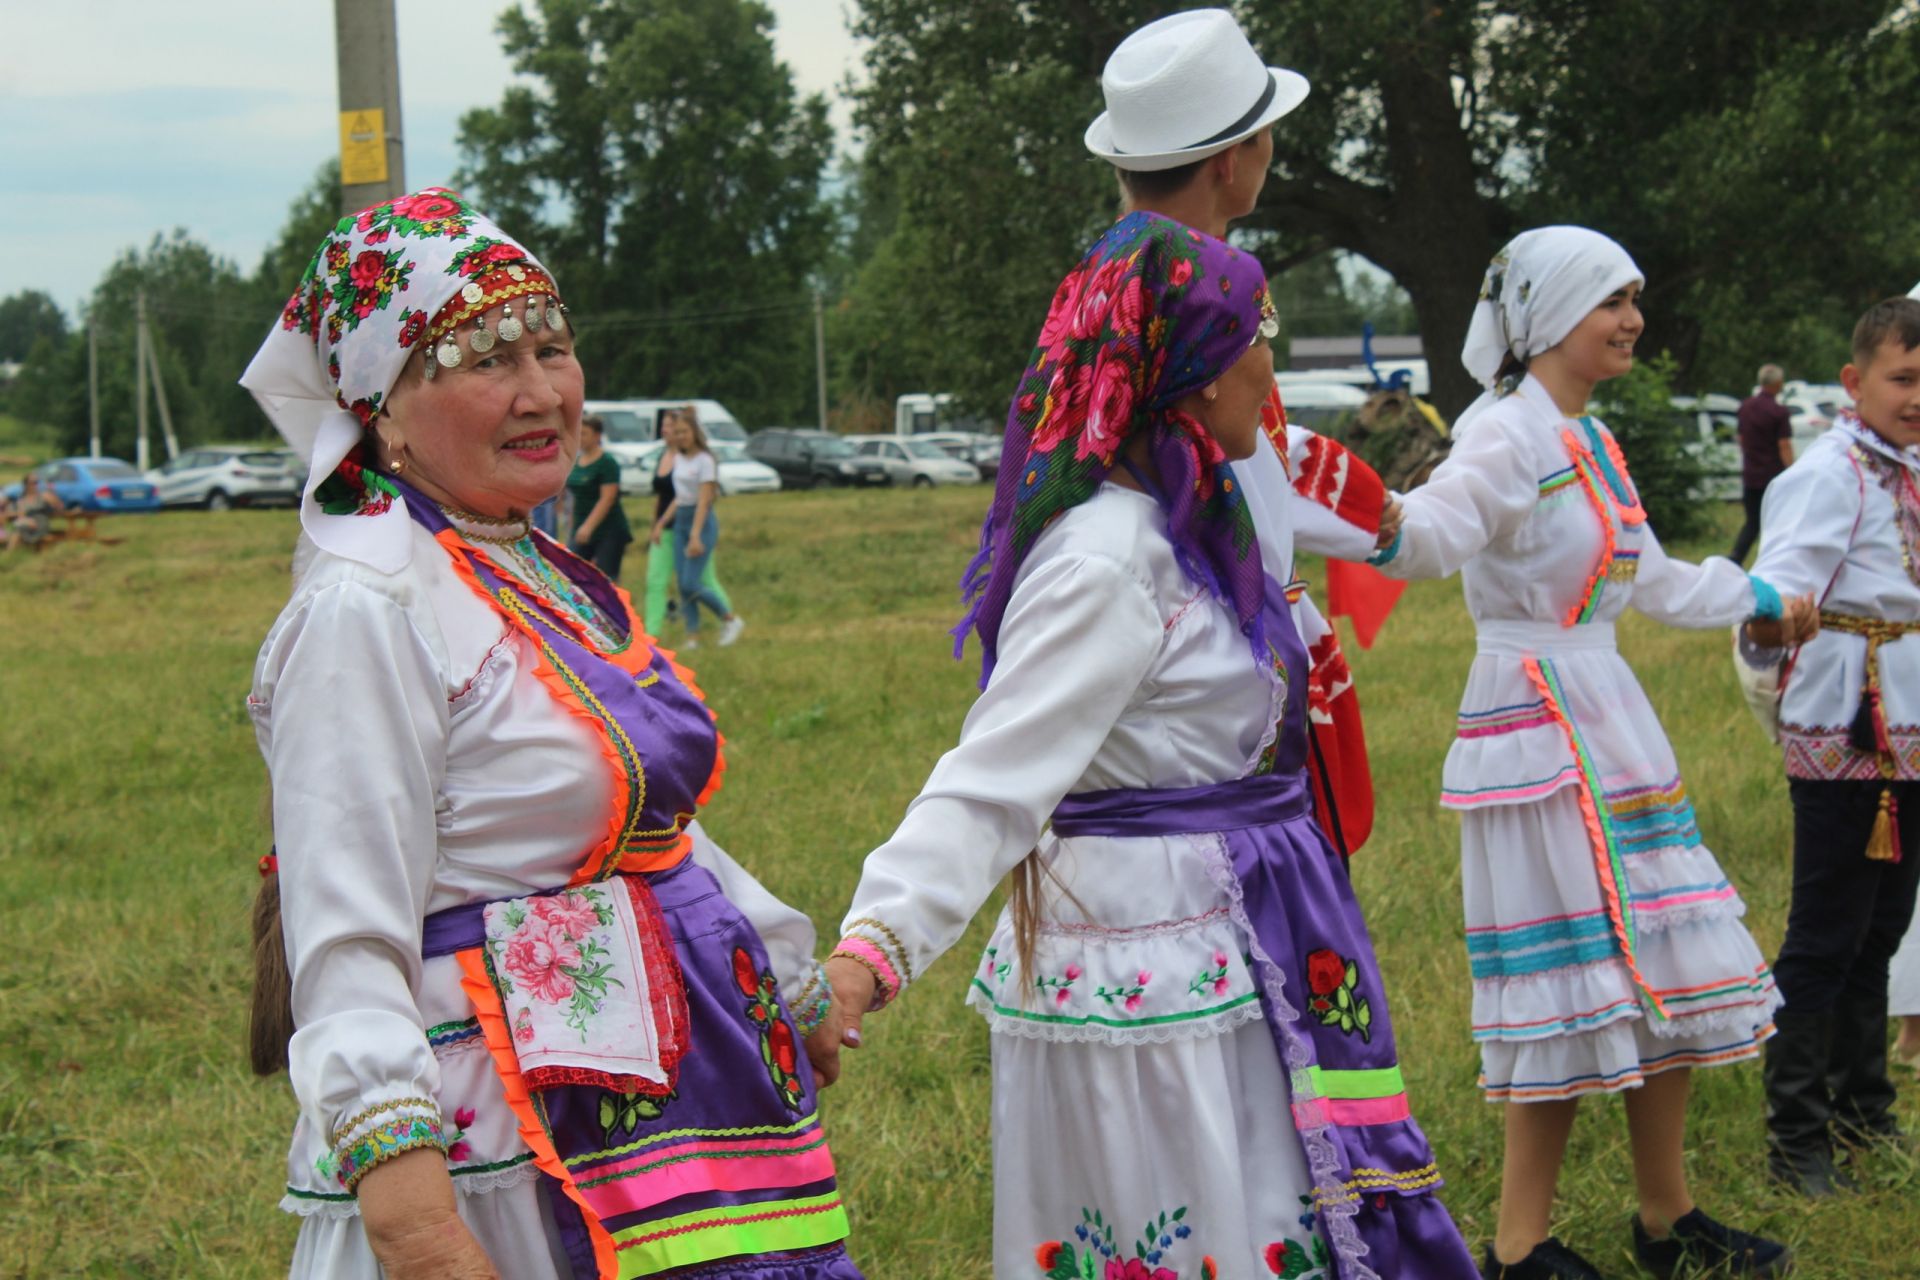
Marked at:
<point>787,933</point>
<point>1079,634</point>
<point>356,751</point>
<point>1484,491</point>
<point>1714,593</point>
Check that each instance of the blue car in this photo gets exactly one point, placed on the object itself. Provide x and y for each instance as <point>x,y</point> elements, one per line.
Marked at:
<point>95,484</point>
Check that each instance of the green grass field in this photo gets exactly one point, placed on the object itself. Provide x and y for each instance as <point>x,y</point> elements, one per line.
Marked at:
<point>134,1143</point>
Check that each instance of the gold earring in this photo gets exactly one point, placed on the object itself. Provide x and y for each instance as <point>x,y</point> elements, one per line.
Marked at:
<point>1209,395</point>
<point>398,462</point>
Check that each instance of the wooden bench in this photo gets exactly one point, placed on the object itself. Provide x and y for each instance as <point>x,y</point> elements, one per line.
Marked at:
<point>79,526</point>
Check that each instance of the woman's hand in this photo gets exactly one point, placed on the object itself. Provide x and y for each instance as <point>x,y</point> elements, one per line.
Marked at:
<point>653,536</point>
<point>853,986</point>
<point>407,1208</point>
<point>1390,519</point>
<point>695,547</point>
<point>1799,622</point>
<point>1801,619</point>
<point>823,1047</point>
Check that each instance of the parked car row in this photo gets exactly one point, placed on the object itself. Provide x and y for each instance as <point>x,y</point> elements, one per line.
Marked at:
<point>738,473</point>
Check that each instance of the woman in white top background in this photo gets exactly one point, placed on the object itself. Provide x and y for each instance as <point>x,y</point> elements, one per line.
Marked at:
<point>1605,942</point>
<point>696,528</point>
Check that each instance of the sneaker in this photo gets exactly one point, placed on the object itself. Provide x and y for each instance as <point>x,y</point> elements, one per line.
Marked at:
<point>689,644</point>
<point>1550,1260</point>
<point>730,630</point>
<point>1709,1246</point>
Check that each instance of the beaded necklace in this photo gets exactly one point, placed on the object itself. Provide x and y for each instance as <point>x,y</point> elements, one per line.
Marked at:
<point>519,555</point>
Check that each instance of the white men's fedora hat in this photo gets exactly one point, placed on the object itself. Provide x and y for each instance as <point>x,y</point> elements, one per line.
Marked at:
<point>1186,86</point>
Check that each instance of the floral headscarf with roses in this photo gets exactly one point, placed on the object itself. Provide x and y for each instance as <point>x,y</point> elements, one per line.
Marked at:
<point>400,276</point>
<point>1153,313</point>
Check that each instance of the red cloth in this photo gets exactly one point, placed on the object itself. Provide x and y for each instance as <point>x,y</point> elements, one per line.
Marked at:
<point>1362,593</point>
<point>1337,764</point>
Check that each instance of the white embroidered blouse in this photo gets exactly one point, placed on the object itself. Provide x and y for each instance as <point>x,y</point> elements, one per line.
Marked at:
<point>1844,523</point>
<point>418,763</point>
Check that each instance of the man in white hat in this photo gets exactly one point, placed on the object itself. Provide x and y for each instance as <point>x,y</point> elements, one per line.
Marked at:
<point>1189,129</point>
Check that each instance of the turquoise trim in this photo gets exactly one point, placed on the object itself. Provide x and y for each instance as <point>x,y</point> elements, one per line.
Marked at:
<point>1766,601</point>
<point>1538,935</point>
<point>1585,951</point>
<point>1388,552</point>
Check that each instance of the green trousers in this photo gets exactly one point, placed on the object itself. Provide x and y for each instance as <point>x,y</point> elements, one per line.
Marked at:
<point>660,581</point>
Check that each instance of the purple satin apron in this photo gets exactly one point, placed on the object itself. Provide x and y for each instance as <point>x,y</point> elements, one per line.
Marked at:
<point>729,1176</point>
<point>1321,990</point>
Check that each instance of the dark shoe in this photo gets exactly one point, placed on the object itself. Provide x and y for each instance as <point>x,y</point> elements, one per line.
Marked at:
<point>1799,1109</point>
<point>1862,1093</point>
<point>1709,1246</point>
<point>1550,1260</point>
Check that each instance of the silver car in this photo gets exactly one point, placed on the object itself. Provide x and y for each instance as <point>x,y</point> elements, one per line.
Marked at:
<point>913,461</point>
<point>219,477</point>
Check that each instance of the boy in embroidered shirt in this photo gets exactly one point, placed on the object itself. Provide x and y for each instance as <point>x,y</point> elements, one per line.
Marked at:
<point>1844,522</point>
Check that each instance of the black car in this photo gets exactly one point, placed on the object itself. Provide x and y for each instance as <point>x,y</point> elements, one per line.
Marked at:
<point>805,457</point>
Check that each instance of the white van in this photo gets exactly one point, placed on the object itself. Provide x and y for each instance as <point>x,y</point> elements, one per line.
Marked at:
<point>632,423</point>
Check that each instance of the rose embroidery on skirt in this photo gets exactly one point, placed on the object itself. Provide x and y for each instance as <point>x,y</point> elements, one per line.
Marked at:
<point>779,1050</point>
<point>1332,982</point>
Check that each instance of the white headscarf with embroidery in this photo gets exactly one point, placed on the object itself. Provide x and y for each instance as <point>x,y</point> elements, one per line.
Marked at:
<point>399,276</point>
<point>1536,291</point>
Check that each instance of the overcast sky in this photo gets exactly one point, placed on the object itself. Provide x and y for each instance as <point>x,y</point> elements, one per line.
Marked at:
<point>123,118</point>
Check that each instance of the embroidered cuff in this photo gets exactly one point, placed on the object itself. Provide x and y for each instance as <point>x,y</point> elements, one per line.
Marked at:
<point>1388,552</point>
<point>1766,601</point>
<point>379,1133</point>
<point>815,1001</point>
<point>886,978</point>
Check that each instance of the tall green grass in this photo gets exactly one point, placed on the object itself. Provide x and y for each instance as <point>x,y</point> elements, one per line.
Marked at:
<point>134,1143</point>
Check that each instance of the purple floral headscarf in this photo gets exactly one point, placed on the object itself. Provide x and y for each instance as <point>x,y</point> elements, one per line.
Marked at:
<point>1153,313</point>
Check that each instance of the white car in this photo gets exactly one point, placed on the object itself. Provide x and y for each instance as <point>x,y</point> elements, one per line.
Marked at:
<point>982,450</point>
<point>1318,405</point>
<point>1715,442</point>
<point>738,472</point>
<point>219,477</point>
<point>913,461</point>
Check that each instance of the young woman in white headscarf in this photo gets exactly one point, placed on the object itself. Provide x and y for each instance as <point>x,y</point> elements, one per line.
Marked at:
<point>1605,942</point>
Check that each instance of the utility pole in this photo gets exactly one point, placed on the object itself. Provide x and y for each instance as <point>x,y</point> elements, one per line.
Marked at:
<point>140,380</point>
<point>93,392</point>
<point>159,392</point>
<point>820,350</point>
<point>367,58</point>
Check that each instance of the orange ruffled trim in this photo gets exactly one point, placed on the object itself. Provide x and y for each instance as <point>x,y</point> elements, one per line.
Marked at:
<point>493,1027</point>
<point>604,858</point>
<point>1605,860</point>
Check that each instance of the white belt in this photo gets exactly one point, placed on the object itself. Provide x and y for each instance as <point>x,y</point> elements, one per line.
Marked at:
<point>1533,639</point>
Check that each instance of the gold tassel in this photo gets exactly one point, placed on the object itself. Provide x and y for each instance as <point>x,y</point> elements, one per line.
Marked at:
<point>1883,845</point>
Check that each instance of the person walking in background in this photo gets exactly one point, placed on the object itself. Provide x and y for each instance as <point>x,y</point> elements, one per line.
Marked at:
<point>1605,942</point>
<point>1766,449</point>
<point>600,530</point>
<point>1845,524</point>
<point>661,592</point>
<point>696,530</point>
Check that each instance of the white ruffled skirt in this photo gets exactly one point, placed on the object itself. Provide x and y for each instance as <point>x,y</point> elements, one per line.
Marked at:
<point>1139,1106</point>
<point>1577,839</point>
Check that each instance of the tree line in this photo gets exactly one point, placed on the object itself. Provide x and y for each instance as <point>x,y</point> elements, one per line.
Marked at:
<point>658,156</point>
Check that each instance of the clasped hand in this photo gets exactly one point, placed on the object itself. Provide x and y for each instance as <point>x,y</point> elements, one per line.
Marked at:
<point>1799,622</point>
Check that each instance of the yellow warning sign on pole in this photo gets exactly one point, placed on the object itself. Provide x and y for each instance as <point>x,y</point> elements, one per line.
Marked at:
<point>363,146</point>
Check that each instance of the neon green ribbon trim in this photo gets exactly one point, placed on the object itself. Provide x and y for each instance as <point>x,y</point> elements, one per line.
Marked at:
<point>730,1231</point>
<point>1379,1082</point>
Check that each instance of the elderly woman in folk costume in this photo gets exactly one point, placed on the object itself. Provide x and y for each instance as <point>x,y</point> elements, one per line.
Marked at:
<point>539,1023</point>
<point>1606,944</point>
<point>1193,1061</point>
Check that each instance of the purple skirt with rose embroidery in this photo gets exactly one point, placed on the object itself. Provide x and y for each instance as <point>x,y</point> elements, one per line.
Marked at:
<point>728,1178</point>
<point>1326,1008</point>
